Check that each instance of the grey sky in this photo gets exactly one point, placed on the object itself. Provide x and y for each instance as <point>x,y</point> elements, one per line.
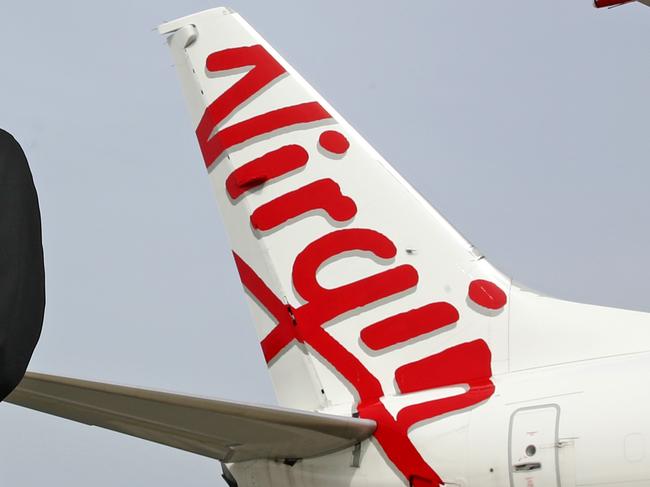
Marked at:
<point>524,123</point>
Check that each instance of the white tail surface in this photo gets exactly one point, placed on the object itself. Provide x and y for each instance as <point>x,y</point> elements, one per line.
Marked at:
<point>365,299</point>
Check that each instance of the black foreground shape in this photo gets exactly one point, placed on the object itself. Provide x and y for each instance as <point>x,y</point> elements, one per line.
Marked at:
<point>22,273</point>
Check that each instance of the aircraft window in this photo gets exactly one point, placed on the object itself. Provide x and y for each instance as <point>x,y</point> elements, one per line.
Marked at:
<point>531,450</point>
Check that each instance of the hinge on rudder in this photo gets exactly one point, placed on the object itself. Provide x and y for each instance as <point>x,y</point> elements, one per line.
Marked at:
<point>416,481</point>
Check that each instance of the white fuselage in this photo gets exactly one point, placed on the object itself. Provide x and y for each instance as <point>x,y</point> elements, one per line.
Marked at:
<point>587,423</point>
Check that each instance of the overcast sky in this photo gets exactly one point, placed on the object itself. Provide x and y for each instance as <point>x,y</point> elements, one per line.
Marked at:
<point>524,123</point>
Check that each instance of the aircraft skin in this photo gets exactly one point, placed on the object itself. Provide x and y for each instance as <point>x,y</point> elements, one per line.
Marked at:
<point>374,315</point>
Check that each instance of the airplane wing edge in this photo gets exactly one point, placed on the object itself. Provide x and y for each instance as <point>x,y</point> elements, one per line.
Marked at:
<point>223,430</point>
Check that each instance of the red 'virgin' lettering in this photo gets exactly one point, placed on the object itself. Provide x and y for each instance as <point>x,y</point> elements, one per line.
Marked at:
<point>323,305</point>
<point>334,142</point>
<point>356,294</point>
<point>269,166</point>
<point>409,325</point>
<point>264,70</point>
<point>487,294</point>
<point>323,194</point>
<point>263,124</point>
<point>467,363</point>
<point>326,304</point>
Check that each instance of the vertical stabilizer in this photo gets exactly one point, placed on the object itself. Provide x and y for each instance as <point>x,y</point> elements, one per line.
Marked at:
<point>365,299</point>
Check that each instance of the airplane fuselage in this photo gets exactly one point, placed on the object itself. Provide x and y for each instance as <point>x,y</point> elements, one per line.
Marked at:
<point>574,424</point>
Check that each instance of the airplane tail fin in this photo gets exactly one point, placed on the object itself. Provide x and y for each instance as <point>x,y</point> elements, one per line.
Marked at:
<point>361,293</point>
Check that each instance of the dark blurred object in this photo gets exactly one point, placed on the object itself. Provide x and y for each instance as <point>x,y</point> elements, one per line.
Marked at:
<point>610,3</point>
<point>22,273</point>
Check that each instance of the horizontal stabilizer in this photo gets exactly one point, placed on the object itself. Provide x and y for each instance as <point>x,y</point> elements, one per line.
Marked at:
<point>223,430</point>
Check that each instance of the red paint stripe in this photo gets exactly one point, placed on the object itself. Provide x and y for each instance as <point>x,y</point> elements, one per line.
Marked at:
<point>397,446</point>
<point>334,142</point>
<point>487,294</point>
<point>324,195</point>
<point>268,122</point>
<point>334,244</point>
<point>260,290</point>
<point>466,363</point>
<point>411,324</point>
<point>283,333</point>
<point>333,303</point>
<point>277,340</point>
<point>349,366</point>
<point>269,166</point>
<point>324,304</point>
<point>416,413</point>
<point>264,69</point>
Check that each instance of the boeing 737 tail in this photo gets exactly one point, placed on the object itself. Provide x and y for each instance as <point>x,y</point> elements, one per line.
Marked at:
<point>375,317</point>
<point>362,294</point>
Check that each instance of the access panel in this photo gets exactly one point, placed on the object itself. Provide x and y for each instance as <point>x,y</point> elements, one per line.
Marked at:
<point>533,447</point>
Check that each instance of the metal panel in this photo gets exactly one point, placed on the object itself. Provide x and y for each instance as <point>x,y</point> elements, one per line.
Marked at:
<point>533,447</point>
